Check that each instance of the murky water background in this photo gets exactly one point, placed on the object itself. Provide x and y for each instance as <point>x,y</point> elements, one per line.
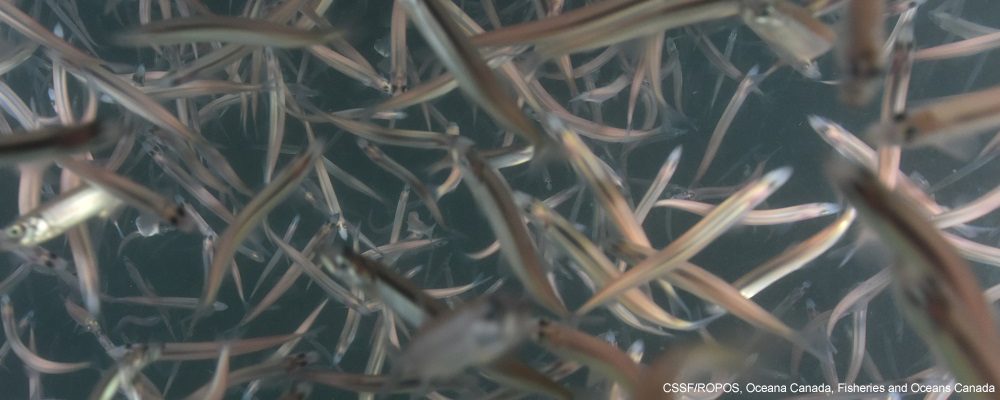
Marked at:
<point>770,128</point>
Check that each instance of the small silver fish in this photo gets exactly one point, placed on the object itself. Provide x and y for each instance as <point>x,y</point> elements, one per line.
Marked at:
<point>248,31</point>
<point>475,334</point>
<point>56,141</point>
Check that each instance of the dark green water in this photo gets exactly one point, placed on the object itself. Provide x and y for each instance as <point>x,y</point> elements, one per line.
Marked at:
<point>770,129</point>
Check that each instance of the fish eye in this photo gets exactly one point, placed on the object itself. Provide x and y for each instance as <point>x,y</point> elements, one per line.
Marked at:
<point>540,332</point>
<point>298,360</point>
<point>15,231</point>
<point>763,12</point>
<point>175,215</point>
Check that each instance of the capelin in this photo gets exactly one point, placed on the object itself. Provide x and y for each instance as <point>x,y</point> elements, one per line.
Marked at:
<point>26,232</point>
<point>334,258</point>
<point>180,217</point>
<point>41,256</point>
<point>475,334</point>
<point>301,360</point>
<point>863,83</point>
<point>12,234</point>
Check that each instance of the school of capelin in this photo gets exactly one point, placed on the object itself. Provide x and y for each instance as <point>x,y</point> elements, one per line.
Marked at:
<point>106,123</point>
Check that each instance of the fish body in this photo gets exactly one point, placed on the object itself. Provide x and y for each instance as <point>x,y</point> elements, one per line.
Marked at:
<point>54,218</point>
<point>933,286</point>
<point>475,334</point>
<point>239,30</point>
<point>56,141</point>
